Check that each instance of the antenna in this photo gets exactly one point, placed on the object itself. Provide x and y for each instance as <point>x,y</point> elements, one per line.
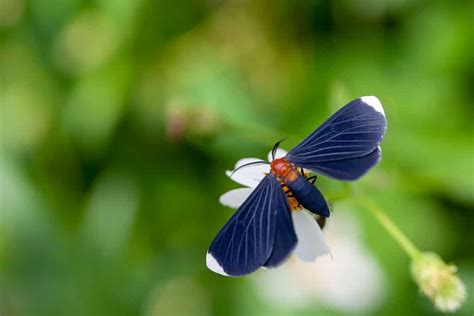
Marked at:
<point>249,164</point>
<point>275,147</point>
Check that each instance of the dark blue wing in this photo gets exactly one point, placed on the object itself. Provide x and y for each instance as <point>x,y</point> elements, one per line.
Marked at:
<point>285,236</point>
<point>346,145</point>
<point>348,169</point>
<point>246,241</point>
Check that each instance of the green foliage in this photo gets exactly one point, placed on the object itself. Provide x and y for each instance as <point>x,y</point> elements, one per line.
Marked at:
<point>119,118</point>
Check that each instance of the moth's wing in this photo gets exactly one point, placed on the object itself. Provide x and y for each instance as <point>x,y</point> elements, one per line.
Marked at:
<point>349,169</point>
<point>285,236</point>
<point>354,131</point>
<point>245,243</point>
<point>346,145</point>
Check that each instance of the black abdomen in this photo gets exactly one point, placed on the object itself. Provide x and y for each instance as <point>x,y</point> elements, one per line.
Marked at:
<point>308,196</point>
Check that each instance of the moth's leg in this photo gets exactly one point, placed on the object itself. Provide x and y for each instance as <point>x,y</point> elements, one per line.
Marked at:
<point>312,179</point>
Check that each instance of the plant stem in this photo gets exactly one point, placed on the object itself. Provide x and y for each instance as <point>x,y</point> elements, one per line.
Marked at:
<point>391,228</point>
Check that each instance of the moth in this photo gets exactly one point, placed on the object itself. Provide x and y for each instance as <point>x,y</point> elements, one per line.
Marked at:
<point>261,231</point>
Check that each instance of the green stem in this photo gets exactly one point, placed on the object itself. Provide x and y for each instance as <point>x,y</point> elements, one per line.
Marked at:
<point>391,228</point>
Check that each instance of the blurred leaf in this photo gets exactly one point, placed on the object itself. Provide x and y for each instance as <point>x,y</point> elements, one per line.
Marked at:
<point>111,212</point>
<point>95,107</point>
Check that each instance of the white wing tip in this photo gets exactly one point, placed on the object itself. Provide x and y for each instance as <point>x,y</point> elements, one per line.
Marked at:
<point>213,265</point>
<point>374,102</point>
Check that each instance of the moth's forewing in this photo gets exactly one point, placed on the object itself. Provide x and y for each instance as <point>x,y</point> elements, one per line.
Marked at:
<point>346,145</point>
<point>259,233</point>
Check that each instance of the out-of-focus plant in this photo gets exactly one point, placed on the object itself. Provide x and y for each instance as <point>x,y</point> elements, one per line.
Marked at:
<point>117,116</point>
<point>436,279</point>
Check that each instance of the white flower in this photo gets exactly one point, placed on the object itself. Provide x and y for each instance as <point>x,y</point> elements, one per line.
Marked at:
<point>311,242</point>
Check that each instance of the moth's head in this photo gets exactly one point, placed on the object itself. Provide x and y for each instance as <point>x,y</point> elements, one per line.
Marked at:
<point>281,167</point>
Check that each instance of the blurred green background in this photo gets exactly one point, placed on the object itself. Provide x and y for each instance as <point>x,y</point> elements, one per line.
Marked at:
<point>119,117</point>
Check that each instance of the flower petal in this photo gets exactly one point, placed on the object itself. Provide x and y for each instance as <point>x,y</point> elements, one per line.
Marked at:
<point>311,242</point>
<point>279,154</point>
<point>249,176</point>
<point>243,180</point>
<point>235,198</point>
